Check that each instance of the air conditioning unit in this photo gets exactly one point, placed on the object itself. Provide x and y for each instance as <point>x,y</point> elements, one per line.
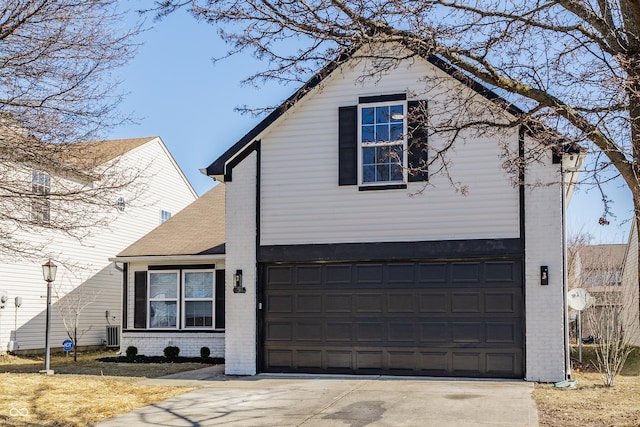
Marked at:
<point>113,336</point>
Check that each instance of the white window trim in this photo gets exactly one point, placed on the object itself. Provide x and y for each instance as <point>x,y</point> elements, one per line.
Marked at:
<point>176,299</point>
<point>404,144</point>
<point>185,299</point>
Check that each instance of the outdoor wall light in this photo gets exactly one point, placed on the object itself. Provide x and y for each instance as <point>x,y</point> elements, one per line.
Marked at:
<point>237,283</point>
<point>544,275</point>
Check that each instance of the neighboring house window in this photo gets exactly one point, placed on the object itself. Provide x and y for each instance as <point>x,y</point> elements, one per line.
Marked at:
<point>121,204</point>
<point>163,299</point>
<point>191,308</point>
<point>164,216</point>
<point>382,140</point>
<point>40,203</point>
<point>198,298</point>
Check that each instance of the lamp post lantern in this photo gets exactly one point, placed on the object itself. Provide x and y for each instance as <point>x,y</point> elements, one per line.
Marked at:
<point>49,272</point>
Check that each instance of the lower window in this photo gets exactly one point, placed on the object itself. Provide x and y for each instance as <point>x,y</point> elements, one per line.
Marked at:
<point>181,301</point>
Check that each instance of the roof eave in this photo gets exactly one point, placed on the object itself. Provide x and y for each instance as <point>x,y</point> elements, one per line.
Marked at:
<point>169,258</point>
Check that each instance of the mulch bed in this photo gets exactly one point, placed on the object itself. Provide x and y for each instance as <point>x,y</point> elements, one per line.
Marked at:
<point>162,359</point>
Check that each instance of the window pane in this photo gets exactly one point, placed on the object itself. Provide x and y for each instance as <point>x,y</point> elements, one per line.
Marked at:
<point>396,132</point>
<point>368,133</point>
<point>368,155</point>
<point>396,172</point>
<point>383,173</point>
<point>163,285</point>
<point>382,114</point>
<point>198,313</point>
<point>198,284</point>
<point>381,154</point>
<point>382,133</point>
<point>367,115</point>
<point>162,314</point>
<point>397,113</point>
<point>395,153</point>
<point>369,173</point>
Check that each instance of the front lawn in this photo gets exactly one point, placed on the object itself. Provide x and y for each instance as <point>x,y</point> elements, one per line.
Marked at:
<point>590,403</point>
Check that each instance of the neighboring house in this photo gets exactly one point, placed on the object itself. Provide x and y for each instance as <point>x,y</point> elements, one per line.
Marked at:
<point>174,282</point>
<point>352,261</point>
<point>598,269</point>
<point>630,288</point>
<point>85,275</point>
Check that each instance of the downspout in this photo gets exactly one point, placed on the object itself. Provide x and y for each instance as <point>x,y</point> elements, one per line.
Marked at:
<point>565,276</point>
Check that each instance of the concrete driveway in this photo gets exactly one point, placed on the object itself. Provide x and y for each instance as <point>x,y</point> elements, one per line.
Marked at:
<point>355,401</point>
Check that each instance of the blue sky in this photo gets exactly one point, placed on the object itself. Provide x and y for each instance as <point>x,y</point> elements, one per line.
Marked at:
<point>177,93</point>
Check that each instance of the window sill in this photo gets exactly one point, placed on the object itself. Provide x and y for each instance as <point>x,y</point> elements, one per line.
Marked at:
<point>383,187</point>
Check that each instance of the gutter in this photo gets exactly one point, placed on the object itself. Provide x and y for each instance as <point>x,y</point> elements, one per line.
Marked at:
<point>171,258</point>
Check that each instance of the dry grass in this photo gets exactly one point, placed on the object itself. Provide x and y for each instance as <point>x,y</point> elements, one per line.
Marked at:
<point>591,404</point>
<point>79,394</point>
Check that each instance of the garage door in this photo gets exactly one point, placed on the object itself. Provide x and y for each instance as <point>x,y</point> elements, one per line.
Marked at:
<point>412,318</point>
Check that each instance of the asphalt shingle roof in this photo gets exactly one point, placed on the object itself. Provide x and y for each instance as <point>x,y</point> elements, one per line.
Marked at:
<point>198,229</point>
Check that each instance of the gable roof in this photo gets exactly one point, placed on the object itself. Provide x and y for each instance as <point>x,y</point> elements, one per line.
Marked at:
<point>602,257</point>
<point>198,229</point>
<point>94,153</point>
<point>217,168</point>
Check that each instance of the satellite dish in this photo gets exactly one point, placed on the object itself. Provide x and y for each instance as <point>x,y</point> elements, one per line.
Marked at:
<point>579,299</point>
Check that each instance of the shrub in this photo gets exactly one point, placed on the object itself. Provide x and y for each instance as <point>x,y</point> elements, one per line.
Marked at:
<point>131,352</point>
<point>171,352</point>
<point>205,353</point>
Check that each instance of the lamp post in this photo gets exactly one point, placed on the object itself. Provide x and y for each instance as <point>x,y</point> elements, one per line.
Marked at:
<point>49,273</point>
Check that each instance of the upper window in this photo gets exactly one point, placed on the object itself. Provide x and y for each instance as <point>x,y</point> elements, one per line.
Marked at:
<point>121,204</point>
<point>164,216</point>
<point>40,203</point>
<point>383,143</point>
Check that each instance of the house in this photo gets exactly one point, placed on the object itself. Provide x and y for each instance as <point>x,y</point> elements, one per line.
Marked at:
<point>630,315</point>
<point>174,282</point>
<point>353,251</point>
<point>86,280</point>
<point>598,270</point>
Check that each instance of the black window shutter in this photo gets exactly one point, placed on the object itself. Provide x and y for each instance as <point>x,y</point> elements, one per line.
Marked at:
<point>417,148</point>
<point>219,299</point>
<point>348,145</point>
<point>140,300</point>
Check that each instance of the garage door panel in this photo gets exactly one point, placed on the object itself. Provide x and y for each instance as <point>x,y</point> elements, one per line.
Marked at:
<point>466,302</point>
<point>404,303</point>
<point>339,331</point>
<point>406,318</point>
<point>370,332</point>
<point>433,273</point>
<point>465,332</point>
<point>309,303</point>
<point>308,275</point>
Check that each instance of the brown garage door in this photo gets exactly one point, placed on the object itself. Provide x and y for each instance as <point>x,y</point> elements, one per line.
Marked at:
<point>412,318</point>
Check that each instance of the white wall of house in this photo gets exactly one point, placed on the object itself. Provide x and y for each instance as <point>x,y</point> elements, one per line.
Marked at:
<point>304,143</point>
<point>301,201</point>
<point>240,321</point>
<point>84,265</point>
<point>630,289</point>
<point>545,305</point>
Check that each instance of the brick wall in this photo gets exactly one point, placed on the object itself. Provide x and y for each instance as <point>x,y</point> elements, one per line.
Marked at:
<point>153,343</point>
<point>544,304</point>
<point>240,321</point>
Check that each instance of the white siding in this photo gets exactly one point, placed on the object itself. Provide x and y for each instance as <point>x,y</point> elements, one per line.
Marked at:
<point>301,201</point>
<point>543,246</point>
<point>240,322</point>
<point>630,288</point>
<point>87,262</point>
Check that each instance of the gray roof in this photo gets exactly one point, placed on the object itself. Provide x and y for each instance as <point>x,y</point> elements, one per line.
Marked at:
<point>198,229</point>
